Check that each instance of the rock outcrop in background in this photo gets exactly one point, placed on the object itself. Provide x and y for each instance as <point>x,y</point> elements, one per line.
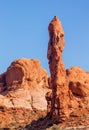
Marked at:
<point>23,88</point>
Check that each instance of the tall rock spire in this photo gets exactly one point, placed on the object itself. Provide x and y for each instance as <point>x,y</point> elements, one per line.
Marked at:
<point>60,93</point>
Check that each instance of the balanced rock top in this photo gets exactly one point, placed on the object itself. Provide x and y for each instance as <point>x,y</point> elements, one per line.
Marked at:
<point>56,26</point>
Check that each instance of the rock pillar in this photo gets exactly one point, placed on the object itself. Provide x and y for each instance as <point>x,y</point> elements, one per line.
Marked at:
<point>60,93</point>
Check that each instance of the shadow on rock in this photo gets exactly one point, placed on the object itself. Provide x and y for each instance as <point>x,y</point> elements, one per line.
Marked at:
<point>40,124</point>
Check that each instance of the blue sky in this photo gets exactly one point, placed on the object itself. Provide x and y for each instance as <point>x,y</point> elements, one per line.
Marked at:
<point>24,33</point>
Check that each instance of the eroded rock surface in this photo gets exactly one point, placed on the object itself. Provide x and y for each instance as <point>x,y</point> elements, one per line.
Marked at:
<point>70,88</point>
<point>60,91</point>
<point>24,86</point>
<point>78,81</point>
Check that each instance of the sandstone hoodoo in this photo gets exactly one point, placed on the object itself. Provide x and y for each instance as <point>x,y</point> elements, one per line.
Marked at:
<point>70,87</point>
<point>60,91</point>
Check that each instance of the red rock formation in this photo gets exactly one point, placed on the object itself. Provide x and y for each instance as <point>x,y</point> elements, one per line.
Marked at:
<point>78,81</point>
<point>60,93</point>
<point>31,81</point>
<point>2,82</point>
<point>24,71</point>
<point>26,84</point>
